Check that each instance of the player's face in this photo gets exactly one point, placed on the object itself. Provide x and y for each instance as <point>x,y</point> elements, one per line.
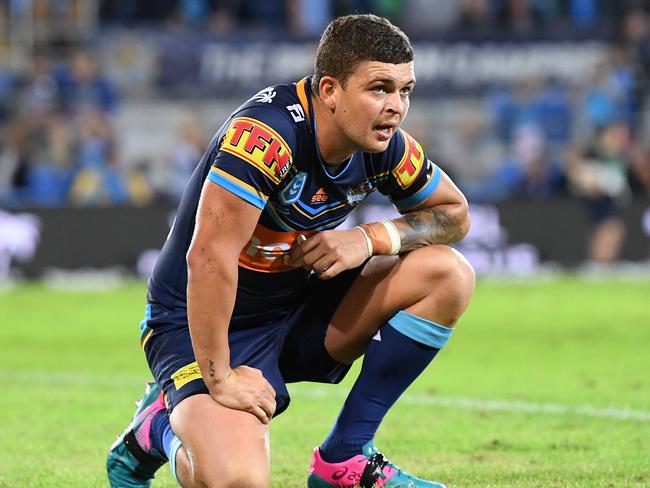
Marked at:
<point>373,103</point>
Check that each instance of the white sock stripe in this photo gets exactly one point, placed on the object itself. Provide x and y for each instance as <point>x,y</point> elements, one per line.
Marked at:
<point>176,445</point>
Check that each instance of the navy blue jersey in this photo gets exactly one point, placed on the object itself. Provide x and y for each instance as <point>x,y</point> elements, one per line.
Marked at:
<point>267,154</point>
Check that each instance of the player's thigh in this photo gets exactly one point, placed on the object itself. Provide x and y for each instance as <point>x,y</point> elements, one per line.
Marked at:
<point>433,282</point>
<point>225,447</point>
<point>304,357</point>
<point>171,359</point>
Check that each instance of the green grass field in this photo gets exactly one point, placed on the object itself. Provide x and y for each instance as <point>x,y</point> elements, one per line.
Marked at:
<point>542,385</point>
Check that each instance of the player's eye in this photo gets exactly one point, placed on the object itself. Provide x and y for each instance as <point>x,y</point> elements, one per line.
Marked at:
<point>379,89</point>
<point>407,90</point>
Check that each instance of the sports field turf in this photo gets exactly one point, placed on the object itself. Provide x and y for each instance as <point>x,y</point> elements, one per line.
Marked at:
<point>543,385</point>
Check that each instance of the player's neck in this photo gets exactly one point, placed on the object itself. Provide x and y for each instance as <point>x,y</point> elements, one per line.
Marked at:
<point>332,143</point>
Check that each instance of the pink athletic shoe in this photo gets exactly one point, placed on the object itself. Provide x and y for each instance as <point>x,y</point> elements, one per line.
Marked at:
<point>370,469</point>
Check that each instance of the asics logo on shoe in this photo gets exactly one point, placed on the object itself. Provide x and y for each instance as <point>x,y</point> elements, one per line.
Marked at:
<point>348,474</point>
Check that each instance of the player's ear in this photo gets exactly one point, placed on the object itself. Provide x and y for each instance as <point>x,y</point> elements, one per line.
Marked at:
<point>327,90</point>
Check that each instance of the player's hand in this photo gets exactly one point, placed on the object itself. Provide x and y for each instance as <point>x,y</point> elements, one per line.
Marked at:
<point>246,389</point>
<point>330,252</point>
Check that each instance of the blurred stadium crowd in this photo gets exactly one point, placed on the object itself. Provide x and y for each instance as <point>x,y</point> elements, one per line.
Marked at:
<point>540,138</point>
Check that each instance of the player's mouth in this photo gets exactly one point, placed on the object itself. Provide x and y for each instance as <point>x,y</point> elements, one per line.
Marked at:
<point>385,131</point>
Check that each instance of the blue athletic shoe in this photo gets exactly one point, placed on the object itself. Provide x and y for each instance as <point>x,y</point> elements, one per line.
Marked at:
<point>132,462</point>
<point>369,469</point>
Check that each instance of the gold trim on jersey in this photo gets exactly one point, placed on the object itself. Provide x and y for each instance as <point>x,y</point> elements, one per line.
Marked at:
<point>301,90</point>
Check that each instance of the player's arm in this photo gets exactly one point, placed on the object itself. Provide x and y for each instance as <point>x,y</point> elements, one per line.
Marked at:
<point>224,224</point>
<point>443,218</point>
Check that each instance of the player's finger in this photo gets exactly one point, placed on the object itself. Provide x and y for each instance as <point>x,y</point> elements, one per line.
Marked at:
<point>259,412</point>
<point>323,263</point>
<point>296,252</point>
<point>314,256</point>
<point>268,405</point>
<point>331,271</point>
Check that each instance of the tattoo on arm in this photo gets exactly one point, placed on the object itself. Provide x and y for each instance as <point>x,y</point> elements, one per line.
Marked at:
<point>428,226</point>
<point>211,369</point>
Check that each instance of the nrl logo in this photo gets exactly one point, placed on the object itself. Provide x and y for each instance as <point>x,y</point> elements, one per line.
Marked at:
<point>265,96</point>
<point>292,191</point>
<point>357,194</point>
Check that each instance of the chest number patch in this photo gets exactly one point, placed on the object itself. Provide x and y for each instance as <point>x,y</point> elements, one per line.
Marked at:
<point>258,144</point>
<point>411,163</point>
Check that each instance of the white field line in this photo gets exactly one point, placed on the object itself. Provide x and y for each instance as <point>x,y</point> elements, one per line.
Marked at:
<point>312,392</point>
<point>501,405</point>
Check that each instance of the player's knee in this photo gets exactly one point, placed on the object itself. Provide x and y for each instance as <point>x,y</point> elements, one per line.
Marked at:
<point>449,280</point>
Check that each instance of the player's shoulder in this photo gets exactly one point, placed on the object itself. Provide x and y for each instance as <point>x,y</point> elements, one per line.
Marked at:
<point>278,104</point>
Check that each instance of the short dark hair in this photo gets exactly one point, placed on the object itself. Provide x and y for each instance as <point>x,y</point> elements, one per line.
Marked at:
<point>351,39</point>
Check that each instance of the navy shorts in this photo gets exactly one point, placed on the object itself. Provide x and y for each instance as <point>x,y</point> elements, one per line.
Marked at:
<point>283,337</point>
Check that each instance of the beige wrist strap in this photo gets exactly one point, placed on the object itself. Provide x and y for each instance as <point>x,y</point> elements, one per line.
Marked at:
<point>368,240</point>
<point>395,239</point>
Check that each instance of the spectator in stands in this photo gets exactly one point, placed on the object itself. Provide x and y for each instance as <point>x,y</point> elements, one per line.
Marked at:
<point>40,137</point>
<point>519,17</point>
<point>470,149</point>
<point>528,170</point>
<point>583,14</point>
<point>640,170</point>
<point>636,37</point>
<point>9,166</point>
<point>83,87</point>
<point>610,96</point>
<point>475,16</point>
<point>309,17</point>
<point>98,180</point>
<point>599,174</point>
<point>187,150</point>
<point>418,17</point>
<point>511,107</point>
<point>553,105</point>
<point>535,174</point>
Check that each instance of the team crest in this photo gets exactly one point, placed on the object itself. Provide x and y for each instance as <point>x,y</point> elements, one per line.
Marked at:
<point>292,191</point>
<point>357,194</point>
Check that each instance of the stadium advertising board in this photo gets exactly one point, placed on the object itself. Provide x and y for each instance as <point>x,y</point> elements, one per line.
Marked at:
<point>200,65</point>
<point>514,238</point>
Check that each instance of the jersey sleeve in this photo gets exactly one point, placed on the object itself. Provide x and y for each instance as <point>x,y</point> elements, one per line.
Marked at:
<point>254,154</point>
<point>412,177</point>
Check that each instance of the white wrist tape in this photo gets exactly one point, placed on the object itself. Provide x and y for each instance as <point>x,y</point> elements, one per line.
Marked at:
<point>368,241</point>
<point>395,239</point>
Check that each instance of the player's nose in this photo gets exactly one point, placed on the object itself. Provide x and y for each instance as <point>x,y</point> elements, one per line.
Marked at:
<point>396,103</point>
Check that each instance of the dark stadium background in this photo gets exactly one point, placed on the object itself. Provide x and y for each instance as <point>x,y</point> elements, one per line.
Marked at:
<point>105,106</point>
